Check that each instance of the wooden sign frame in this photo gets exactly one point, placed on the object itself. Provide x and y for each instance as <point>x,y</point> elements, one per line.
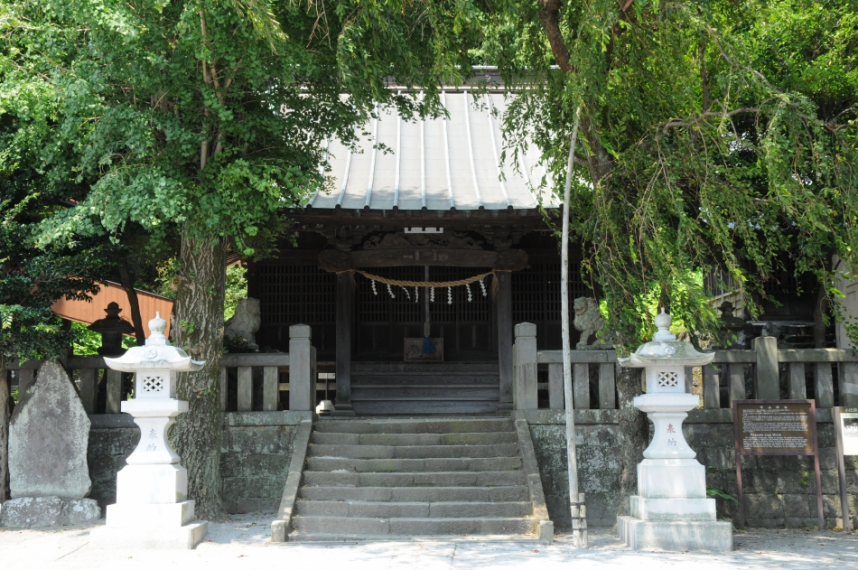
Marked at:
<point>740,451</point>
<point>836,416</point>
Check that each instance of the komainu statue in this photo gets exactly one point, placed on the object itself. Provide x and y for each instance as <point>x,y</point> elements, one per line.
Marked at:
<point>588,320</point>
<point>245,323</point>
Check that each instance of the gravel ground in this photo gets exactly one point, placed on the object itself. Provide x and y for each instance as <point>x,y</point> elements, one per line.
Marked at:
<point>242,542</point>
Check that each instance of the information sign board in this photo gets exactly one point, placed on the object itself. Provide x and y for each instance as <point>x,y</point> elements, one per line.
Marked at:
<point>846,439</point>
<point>775,427</point>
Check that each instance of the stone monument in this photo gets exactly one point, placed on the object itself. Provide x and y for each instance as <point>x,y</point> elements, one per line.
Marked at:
<point>48,440</point>
<point>671,510</point>
<point>152,509</point>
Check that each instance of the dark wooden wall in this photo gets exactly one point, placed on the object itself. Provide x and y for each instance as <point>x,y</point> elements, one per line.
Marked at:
<point>292,289</point>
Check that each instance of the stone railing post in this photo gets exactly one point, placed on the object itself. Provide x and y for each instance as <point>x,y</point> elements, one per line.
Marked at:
<point>524,357</point>
<point>766,379</point>
<point>302,385</point>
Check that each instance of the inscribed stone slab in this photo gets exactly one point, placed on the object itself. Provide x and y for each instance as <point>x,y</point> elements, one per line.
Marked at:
<point>48,439</point>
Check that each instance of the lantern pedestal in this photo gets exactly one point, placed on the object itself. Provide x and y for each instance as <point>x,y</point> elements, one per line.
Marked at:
<point>671,510</point>
<point>152,509</point>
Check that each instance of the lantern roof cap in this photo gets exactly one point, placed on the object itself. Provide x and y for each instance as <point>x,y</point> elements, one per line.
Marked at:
<point>158,353</point>
<point>665,350</point>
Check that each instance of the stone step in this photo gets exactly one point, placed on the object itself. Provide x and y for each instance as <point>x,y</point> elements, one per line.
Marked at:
<point>414,368</point>
<point>416,426</point>
<point>397,393</point>
<point>386,509</point>
<point>416,494</point>
<point>418,382</point>
<point>419,407</point>
<point>413,465</point>
<point>345,478</point>
<point>411,439</point>
<point>411,526</point>
<point>412,451</point>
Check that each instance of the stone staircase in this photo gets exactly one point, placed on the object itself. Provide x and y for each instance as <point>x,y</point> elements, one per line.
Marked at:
<point>397,478</point>
<point>402,388</point>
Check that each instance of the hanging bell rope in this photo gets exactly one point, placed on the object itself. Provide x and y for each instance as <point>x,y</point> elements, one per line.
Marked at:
<point>401,283</point>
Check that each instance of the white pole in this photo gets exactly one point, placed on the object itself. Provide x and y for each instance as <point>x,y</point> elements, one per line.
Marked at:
<point>576,500</point>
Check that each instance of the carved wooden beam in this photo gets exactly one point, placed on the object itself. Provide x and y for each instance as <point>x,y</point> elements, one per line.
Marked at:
<point>336,261</point>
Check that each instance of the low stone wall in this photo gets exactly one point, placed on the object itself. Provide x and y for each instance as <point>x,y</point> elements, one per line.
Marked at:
<point>780,491</point>
<point>255,453</point>
<point>598,468</point>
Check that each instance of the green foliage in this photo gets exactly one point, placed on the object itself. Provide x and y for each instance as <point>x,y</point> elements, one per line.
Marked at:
<point>716,493</point>
<point>236,288</point>
<point>207,117</point>
<point>716,136</point>
<point>31,280</point>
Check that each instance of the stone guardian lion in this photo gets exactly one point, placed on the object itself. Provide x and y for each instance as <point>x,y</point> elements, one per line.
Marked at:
<point>588,320</point>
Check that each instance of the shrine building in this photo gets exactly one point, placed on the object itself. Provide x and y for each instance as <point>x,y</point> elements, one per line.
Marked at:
<point>420,201</point>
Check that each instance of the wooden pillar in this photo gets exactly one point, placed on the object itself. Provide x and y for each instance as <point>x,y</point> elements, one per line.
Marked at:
<point>345,325</point>
<point>504,320</point>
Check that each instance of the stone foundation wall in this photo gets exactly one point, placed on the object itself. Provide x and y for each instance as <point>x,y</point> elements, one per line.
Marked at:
<point>780,491</point>
<point>598,467</point>
<point>255,453</point>
<point>108,448</point>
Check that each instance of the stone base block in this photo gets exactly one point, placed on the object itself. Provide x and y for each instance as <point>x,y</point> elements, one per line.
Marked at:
<point>672,509</point>
<point>115,538</point>
<point>675,536</point>
<point>81,511</point>
<point>146,484</point>
<point>37,512</point>
<point>173,515</point>
<point>671,478</point>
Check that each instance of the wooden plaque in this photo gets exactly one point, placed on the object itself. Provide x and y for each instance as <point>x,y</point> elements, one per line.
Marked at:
<point>775,427</point>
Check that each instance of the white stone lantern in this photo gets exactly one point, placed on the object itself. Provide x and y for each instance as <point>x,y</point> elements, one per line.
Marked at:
<point>671,510</point>
<point>152,509</point>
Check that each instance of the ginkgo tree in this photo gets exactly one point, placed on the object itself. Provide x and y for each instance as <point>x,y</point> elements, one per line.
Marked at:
<point>201,121</point>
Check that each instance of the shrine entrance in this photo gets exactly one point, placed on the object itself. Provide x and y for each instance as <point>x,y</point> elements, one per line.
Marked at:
<point>391,371</point>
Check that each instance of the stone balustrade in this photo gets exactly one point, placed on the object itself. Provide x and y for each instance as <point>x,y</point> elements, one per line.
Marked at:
<point>292,372</point>
<point>764,372</point>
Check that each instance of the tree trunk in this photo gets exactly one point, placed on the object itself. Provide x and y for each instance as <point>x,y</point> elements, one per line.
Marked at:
<point>633,431</point>
<point>4,434</point>
<point>198,328</point>
<point>136,318</point>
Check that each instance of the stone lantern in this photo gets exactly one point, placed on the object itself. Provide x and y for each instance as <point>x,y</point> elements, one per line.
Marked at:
<point>671,510</point>
<point>152,509</point>
<point>111,328</point>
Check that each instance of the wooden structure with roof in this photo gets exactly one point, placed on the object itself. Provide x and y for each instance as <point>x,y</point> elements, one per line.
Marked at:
<point>426,200</point>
